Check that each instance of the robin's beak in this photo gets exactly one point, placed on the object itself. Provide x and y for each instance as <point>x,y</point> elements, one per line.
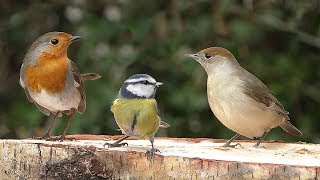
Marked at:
<point>193,56</point>
<point>158,84</point>
<point>74,38</point>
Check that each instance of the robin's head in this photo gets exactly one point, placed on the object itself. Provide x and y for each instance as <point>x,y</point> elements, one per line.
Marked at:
<point>52,45</point>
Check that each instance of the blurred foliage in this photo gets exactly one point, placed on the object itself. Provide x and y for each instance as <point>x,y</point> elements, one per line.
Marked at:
<point>278,41</point>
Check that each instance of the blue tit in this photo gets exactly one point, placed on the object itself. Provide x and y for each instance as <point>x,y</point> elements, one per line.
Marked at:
<point>136,112</point>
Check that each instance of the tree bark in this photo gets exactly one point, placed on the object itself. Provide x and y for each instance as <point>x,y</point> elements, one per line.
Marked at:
<point>180,158</point>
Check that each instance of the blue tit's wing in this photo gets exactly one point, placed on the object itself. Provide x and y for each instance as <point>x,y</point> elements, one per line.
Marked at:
<point>162,123</point>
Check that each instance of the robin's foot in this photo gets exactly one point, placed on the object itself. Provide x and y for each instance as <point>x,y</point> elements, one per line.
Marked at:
<point>232,146</point>
<point>152,152</point>
<point>54,138</point>
<point>115,144</point>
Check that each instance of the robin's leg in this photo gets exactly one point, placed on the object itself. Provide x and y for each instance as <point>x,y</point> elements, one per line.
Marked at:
<point>117,143</point>
<point>47,134</point>
<point>227,144</point>
<point>153,150</point>
<point>262,137</point>
<point>62,137</point>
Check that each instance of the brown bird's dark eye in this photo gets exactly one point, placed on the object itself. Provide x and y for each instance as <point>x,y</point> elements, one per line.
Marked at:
<point>208,56</point>
<point>54,41</point>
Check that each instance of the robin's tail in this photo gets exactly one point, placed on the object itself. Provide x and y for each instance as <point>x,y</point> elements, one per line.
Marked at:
<point>288,127</point>
<point>90,76</point>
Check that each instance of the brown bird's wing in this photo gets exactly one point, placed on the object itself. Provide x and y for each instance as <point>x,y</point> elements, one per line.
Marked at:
<point>257,90</point>
<point>80,86</point>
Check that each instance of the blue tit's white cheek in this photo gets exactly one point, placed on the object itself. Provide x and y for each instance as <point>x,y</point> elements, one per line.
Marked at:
<point>141,90</point>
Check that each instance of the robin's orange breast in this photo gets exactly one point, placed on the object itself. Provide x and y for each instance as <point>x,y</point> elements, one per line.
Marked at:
<point>48,74</point>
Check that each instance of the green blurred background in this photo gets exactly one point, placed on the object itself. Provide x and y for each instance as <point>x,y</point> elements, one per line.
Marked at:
<point>278,41</point>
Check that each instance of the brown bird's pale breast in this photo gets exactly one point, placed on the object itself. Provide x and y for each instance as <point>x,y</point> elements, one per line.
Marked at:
<point>48,74</point>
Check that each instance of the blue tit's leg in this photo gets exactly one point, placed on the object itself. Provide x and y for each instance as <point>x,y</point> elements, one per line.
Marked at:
<point>153,150</point>
<point>227,144</point>
<point>262,137</point>
<point>117,143</point>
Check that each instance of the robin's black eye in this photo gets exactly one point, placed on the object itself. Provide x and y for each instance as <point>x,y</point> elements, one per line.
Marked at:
<point>208,56</point>
<point>54,41</point>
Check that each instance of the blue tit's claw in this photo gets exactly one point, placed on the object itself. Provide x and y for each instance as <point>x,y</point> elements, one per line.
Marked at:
<point>115,144</point>
<point>151,153</point>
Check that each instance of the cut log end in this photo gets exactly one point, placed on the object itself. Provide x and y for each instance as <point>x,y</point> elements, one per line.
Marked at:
<point>180,158</point>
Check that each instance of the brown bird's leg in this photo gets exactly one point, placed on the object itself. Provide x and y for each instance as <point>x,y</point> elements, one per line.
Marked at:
<point>227,144</point>
<point>117,143</point>
<point>152,151</point>
<point>62,137</point>
<point>262,137</point>
<point>47,134</point>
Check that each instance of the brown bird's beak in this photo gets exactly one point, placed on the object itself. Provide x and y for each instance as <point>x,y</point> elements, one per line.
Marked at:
<point>193,56</point>
<point>74,38</point>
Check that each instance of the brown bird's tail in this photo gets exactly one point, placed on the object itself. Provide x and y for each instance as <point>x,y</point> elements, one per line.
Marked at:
<point>90,76</point>
<point>288,127</point>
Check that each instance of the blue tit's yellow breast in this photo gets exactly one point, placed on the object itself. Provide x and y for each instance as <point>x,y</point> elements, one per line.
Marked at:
<point>136,117</point>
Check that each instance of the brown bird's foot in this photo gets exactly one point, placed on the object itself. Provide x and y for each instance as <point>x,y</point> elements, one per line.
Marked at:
<point>62,138</point>
<point>258,147</point>
<point>45,136</point>
<point>115,144</point>
<point>151,153</point>
<point>232,146</point>
<point>38,137</point>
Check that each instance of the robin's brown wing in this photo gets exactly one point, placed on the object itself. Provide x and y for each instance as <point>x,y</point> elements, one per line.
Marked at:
<point>80,86</point>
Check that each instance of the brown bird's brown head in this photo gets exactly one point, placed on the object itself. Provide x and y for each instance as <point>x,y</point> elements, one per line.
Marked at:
<point>213,56</point>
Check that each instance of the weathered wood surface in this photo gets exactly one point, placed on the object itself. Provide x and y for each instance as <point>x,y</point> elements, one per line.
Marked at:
<point>86,158</point>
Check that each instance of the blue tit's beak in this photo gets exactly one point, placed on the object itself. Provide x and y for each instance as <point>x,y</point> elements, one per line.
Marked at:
<point>158,84</point>
<point>75,38</point>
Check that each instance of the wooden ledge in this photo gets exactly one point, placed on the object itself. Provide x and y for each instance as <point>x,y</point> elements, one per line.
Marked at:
<point>180,158</point>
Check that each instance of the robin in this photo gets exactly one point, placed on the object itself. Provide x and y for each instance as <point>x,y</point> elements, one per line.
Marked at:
<point>52,81</point>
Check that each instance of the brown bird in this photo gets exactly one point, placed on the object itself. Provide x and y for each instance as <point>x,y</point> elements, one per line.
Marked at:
<point>51,80</point>
<point>238,99</point>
